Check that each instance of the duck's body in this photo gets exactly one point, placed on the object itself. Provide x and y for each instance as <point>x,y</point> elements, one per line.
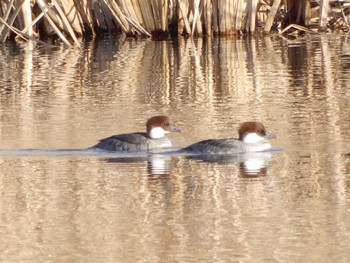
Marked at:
<point>154,138</point>
<point>138,141</point>
<point>226,146</point>
<point>252,138</point>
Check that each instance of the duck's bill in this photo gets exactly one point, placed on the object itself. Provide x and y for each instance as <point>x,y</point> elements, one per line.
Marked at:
<point>174,129</point>
<point>270,136</point>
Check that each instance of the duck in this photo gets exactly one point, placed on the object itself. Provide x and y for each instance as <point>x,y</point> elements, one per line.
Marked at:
<point>252,138</point>
<point>154,137</point>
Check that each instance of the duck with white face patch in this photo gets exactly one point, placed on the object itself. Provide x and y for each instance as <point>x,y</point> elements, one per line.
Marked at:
<point>252,138</point>
<point>153,138</point>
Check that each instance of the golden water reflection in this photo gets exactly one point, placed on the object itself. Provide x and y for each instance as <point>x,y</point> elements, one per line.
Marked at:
<point>63,206</point>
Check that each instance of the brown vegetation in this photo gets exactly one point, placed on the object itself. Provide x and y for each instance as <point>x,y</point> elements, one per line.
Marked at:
<point>71,19</point>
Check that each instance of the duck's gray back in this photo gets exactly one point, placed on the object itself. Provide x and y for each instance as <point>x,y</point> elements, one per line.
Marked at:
<point>132,142</point>
<point>225,146</point>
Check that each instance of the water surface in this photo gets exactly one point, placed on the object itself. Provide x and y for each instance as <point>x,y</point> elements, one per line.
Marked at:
<point>61,203</point>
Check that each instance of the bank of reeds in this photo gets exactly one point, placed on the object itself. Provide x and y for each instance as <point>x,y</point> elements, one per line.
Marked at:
<point>71,19</point>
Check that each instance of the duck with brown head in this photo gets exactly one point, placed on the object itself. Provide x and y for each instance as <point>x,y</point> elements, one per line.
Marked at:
<point>252,138</point>
<point>153,138</point>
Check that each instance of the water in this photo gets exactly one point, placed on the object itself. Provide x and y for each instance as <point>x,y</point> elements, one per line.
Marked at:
<point>62,203</point>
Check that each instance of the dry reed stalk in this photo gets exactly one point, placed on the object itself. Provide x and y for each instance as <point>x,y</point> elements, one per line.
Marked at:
<point>46,10</point>
<point>118,15</point>
<point>128,9</point>
<point>183,9</point>
<point>230,26</point>
<point>297,27</point>
<point>82,7</point>
<point>208,17</point>
<point>164,15</point>
<point>226,22</point>
<point>132,9</point>
<point>25,36</point>
<point>49,7</point>
<point>343,15</point>
<point>14,30</point>
<point>222,15</point>
<point>271,16</point>
<point>195,15</point>
<point>300,15</point>
<point>172,14</point>
<point>126,21</point>
<point>239,15</point>
<point>69,11</point>
<point>215,26</point>
<point>66,23</point>
<point>152,20</point>
<point>19,19</point>
<point>137,11</point>
<point>157,9</point>
<point>180,25</point>
<point>49,12</point>
<point>199,19</point>
<point>263,10</point>
<point>27,14</point>
<point>324,8</point>
<point>137,27</point>
<point>133,20</point>
<point>307,12</point>
<point>156,14</point>
<point>6,15</point>
<point>34,21</point>
<point>147,16</point>
<point>1,8</point>
<point>234,14</point>
<point>128,13</point>
<point>11,20</point>
<point>251,15</point>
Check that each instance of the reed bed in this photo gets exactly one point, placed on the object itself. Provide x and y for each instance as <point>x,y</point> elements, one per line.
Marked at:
<point>71,19</point>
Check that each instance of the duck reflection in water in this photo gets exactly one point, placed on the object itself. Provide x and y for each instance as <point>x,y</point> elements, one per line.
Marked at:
<point>157,164</point>
<point>252,164</point>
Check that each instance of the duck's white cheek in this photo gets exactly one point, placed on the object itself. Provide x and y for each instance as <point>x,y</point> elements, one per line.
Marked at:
<point>253,138</point>
<point>157,133</point>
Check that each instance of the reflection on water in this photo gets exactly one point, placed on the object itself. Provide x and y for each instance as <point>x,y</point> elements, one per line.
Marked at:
<point>157,164</point>
<point>61,203</point>
<point>251,164</point>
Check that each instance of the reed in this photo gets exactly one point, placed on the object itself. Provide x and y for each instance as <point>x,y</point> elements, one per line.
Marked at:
<point>324,9</point>
<point>71,19</point>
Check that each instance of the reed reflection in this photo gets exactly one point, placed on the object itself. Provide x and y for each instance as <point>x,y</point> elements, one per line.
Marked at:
<point>180,70</point>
